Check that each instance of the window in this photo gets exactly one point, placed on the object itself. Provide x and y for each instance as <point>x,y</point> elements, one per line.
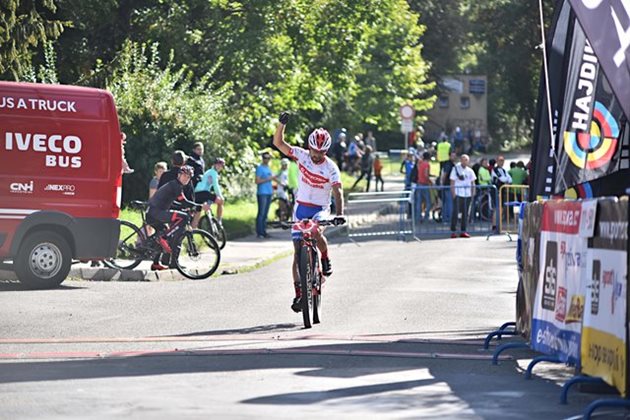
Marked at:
<point>443,101</point>
<point>477,86</point>
<point>464,102</point>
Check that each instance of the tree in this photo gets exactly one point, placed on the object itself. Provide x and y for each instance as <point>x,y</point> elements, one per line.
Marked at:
<point>24,25</point>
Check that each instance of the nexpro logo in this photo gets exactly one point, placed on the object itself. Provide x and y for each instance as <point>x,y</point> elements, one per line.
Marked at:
<point>21,187</point>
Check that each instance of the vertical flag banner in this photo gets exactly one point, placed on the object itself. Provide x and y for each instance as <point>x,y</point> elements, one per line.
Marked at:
<point>559,301</point>
<point>607,26</point>
<point>590,129</point>
<point>604,331</point>
<point>542,177</point>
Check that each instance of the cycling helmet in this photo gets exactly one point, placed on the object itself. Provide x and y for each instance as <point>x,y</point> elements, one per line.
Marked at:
<point>319,140</point>
<point>188,170</point>
<point>219,161</point>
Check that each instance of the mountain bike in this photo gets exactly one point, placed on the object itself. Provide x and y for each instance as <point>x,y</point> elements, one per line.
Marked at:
<point>210,224</point>
<point>308,268</point>
<point>196,254</point>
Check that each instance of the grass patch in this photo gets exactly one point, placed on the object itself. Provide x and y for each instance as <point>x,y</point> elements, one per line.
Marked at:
<point>239,217</point>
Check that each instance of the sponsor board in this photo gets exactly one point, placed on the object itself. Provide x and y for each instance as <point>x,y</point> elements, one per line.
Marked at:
<point>558,305</point>
<point>604,331</point>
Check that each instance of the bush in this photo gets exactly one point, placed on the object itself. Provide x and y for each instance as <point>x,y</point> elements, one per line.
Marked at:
<point>163,109</point>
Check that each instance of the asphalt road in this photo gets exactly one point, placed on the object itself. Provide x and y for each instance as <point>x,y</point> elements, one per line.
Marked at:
<point>400,338</point>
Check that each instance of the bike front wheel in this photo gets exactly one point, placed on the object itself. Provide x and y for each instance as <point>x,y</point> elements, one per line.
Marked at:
<point>306,283</point>
<point>130,249</point>
<point>197,255</point>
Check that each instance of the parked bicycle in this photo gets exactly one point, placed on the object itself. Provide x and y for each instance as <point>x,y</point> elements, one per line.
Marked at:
<point>284,209</point>
<point>210,224</point>
<point>197,254</point>
<point>481,207</point>
<point>308,268</point>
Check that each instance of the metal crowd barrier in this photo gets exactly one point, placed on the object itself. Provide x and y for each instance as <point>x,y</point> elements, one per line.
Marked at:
<point>510,199</point>
<point>480,211</point>
<point>380,214</point>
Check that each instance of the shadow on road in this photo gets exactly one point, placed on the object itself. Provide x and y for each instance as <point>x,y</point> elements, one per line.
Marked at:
<point>249,330</point>
<point>412,375</point>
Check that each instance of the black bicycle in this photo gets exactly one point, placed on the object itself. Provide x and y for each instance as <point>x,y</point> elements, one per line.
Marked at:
<point>196,254</point>
<point>210,224</point>
<point>308,268</point>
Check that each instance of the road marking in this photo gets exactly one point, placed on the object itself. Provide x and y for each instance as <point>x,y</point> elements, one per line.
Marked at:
<point>240,352</point>
<point>240,337</point>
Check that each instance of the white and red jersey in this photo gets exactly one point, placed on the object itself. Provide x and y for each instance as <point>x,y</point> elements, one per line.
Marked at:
<point>316,179</point>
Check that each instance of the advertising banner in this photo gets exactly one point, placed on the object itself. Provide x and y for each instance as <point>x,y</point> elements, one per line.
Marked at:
<point>559,301</point>
<point>530,248</point>
<point>604,330</point>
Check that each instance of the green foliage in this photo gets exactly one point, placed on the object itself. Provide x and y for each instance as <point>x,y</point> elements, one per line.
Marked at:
<point>23,26</point>
<point>162,109</point>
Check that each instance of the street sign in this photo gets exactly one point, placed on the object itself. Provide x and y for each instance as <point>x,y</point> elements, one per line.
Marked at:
<point>407,112</point>
<point>406,126</point>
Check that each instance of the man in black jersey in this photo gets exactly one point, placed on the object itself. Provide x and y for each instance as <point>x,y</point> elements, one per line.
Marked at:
<point>159,212</point>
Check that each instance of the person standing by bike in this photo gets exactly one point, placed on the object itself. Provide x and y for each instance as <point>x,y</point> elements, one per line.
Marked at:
<point>462,190</point>
<point>208,190</point>
<point>159,212</point>
<point>319,177</point>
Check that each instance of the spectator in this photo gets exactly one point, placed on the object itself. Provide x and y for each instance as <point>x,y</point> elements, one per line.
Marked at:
<point>501,177</point>
<point>354,153</point>
<point>443,152</point>
<point>420,175</point>
<point>518,173</point>
<point>378,168</point>
<point>447,199</point>
<point>208,191</point>
<point>406,167</point>
<point>462,190</point>
<point>125,166</point>
<point>196,161</point>
<point>339,148</point>
<point>367,161</point>
<point>371,141</point>
<point>458,140</point>
<point>264,192</point>
<point>158,170</point>
<point>484,177</point>
<point>178,159</point>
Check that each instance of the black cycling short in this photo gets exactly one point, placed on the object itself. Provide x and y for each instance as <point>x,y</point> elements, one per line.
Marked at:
<point>203,197</point>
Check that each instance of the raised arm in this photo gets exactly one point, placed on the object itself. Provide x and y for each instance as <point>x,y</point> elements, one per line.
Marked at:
<point>278,137</point>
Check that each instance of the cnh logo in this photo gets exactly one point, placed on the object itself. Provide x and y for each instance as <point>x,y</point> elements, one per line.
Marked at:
<point>19,187</point>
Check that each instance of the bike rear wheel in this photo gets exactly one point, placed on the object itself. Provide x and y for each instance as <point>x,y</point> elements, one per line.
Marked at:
<point>197,255</point>
<point>485,209</point>
<point>130,249</point>
<point>306,283</point>
<point>214,228</point>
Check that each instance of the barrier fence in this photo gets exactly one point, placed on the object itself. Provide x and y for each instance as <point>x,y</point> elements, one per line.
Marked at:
<point>379,214</point>
<point>510,199</point>
<point>573,289</point>
<point>478,210</point>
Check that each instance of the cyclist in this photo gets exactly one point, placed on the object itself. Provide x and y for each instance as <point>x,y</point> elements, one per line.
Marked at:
<point>159,212</point>
<point>209,191</point>
<point>319,176</point>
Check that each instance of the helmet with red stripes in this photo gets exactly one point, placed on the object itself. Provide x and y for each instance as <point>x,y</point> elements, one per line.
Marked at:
<point>319,140</point>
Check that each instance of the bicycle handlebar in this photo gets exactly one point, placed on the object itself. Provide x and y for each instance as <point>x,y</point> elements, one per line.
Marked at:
<point>331,222</point>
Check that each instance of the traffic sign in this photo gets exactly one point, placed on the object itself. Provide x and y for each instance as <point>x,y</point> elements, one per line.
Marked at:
<point>406,126</point>
<point>407,112</point>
